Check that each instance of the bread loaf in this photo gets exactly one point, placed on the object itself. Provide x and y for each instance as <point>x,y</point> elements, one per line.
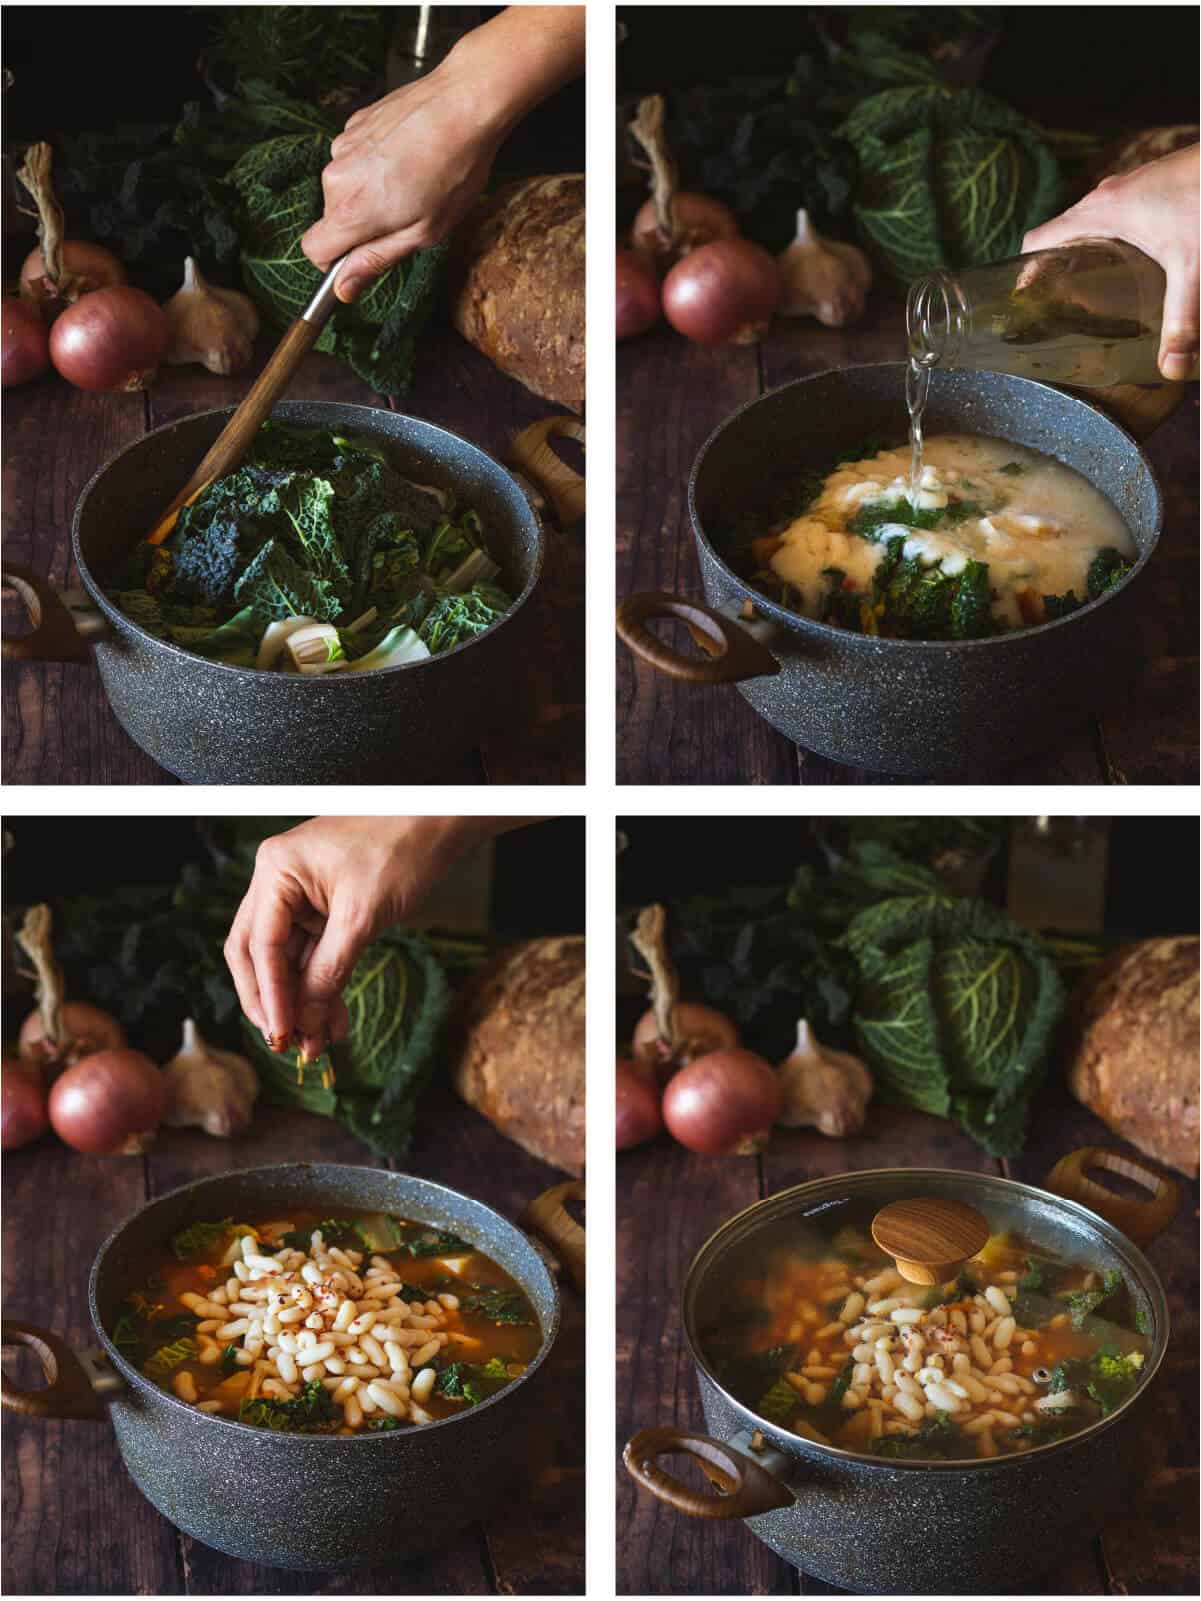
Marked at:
<point>518,284</point>
<point>1135,1061</point>
<point>520,1059</point>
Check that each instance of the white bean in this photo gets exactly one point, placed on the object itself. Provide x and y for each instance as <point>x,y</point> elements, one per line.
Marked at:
<point>998,1300</point>
<point>943,1398</point>
<point>184,1385</point>
<point>909,1406</point>
<point>907,1314</point>
<point>423,1384</point>
<point>852,1307</point>
<point>286,1363</point>
<point>1003,1333</point>
<point>352,1411</point>
<point>385,1398</point>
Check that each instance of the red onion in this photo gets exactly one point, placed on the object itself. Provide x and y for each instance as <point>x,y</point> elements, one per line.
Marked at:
<point>85,268</point>
<point>22,1104</point>
<point>699,1030</point>
<point>723,293</point>
<point>109,1104</point>
<point>85,1030</point>
<point>637,294</point>
<point>638,1117</point>
<point>698,219</point>
<point>24,343</point>
<point>112,340</point>
<point>723,1104</point>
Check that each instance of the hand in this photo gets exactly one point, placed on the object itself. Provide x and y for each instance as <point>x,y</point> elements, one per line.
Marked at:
<point>405,170</point>
<point>320,893</point>
<point>1155,208</point>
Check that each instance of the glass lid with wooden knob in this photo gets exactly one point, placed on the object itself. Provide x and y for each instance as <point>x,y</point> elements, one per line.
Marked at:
<point>930,1237</point>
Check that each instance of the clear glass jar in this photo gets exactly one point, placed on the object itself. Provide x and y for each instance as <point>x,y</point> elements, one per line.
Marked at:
<point>1087,313</point>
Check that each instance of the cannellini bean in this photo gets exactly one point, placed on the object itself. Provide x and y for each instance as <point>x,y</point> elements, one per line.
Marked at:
<point>907,1314</point>
<point>210,1406</point>
<point>880,1308</point>
<point>815,1394</point>
<point>974,1388</point>
<point>863,1353</point>
<point>291,1314</point>
<point>315,1370</point>
<point>431,1348</point>
<point>423,1384</point>
<point>209,1324</point>
<point>958,1320</point>
<point>852,1308</point>
<point>352,1411</point>
<point>943,1398</point>
<point>861,1378</point>
<point>998,1300</point>
<point>202,1308</point>
<point>335,1364</point>
<point>1007,1384</point>
<point>981,1354</point>
<point>184,1385</point>
<point>1003,1364</point>
<point>227,1331</point>
<point>914,1359</point>
<point>884,1367</point>
<point>852,1400</point>
<point>883,1281</point>
<point>361,1323</point>
<point>1029,1347</point>
<point>985,1444</point>
<point>909,1406</point>
<point>955,1388</point>
<point>210,1355</point>
<point>374,1350</point>
<point>828,1331</point>
<point>976,1321</point>
<point>286,1363</point>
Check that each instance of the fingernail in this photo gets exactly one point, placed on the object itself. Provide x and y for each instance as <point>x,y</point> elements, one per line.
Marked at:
<point>347,289</point>
<point>275,1042</point>
<point>310,1050</point>
<point>1176,367</point>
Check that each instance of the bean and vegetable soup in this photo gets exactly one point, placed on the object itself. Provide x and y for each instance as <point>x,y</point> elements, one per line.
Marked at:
<point>318,1325</point>
<point>1018,1351</point>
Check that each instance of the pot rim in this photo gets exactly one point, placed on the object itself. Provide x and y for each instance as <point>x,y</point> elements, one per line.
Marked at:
<point>139,1381</point>
<point>799,623</point>
<point>860,1180</point>
<point>126,625</point>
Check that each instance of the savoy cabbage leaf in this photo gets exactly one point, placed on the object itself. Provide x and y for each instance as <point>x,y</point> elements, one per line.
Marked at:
<point>947,178</point>
<point>956,1011</point>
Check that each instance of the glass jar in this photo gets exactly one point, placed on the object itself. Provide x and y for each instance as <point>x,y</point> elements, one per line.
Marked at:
<point>1086,313</point>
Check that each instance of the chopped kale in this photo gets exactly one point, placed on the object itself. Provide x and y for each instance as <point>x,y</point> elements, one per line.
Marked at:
<point>167,1357</point>
<point>229,1359</point>
<point>1056,606</point>
<point>498,1305</point>
<point>435,1242</point>
<point>839,1387</point>
<point>936,1437</point>
<point>471,1382</point>
<point>1083,1304</point>
<point>310,1412</point>
<point>198,1238</point>
<point>126,1338</point>
<point>334,1231</point>
<point>776,1404</point>
<point>1013,469</point>
<point>1106,571</point>
<point>1113,1377</point>
<point>383,1424</point>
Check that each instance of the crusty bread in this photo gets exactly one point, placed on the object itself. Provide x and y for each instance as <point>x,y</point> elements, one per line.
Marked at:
<point>517,284</point>
<point>520,1059</point>
<point>1135,1059</point>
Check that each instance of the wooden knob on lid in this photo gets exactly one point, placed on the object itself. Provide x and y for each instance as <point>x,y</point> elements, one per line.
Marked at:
<point>929,1238</point>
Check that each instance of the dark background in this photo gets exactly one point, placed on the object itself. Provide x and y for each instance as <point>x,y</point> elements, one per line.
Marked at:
<point>1151,888</point>
<point>538,884</point>
<point>1083,67</point>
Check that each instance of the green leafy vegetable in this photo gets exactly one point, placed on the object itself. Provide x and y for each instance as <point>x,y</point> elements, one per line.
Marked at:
<point>383,1424</point>
<point>1013,469</point>
<point>1113,1377</point>
<point>199,1238</point>
<point>956,1011</point>
<point>938,1436</point>
<point>435,1242</point>
<point>947,178</point>
<point>839,1387</point>
<point>1083,1304</point>
<point>498,1305</point>
<point>471,1382</point>
<point>310,1412</point>
<point>334,1231</point>
<point>229,1359</point>
<point>167,1357</point>
<point>776,1404</point>
<point>1106,571</point>
<point>126,1336</point>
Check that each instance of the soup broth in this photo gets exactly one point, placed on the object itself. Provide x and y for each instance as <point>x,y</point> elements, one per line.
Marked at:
<point>306,1323</point>
<point>1021,1349</point>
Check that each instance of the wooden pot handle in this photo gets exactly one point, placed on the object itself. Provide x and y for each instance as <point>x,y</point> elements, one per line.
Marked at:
<point>1141,1221</point>
<point>734,654</point>
<point>69,1392</point>
<point>61,629</point>
<point>531,454</point>
<point>746,1489</point>
<point>550,1219</point>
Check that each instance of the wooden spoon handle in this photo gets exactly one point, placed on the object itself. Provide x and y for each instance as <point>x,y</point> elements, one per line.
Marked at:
<point>233,441</point>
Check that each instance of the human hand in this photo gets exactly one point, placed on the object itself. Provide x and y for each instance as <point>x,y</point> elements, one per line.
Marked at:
<point>1155,208</point>
<point>320,893</point>
<point>405,170</point>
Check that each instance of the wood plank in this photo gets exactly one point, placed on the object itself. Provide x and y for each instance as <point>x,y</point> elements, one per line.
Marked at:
<point>892,1136</point>
<point>1150,1542</point>
<point>668,1203</point>
<point>670,397</point>
<point>74,1524</point>
<point>57,725</point>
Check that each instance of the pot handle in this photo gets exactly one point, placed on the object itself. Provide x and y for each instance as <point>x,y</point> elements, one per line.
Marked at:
<point>71,1392</point>
<point>746,1488</point>
<point>532,456</point>
<point>734,653</point>
<point>550,1219</point>
<point>64,621</point>
<point>1140,1220</point>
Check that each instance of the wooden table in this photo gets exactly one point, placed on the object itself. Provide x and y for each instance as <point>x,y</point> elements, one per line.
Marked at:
<point>669,1202</point>
<point>58,728</point>
<point>73,1522</point>
<point>670,397</point>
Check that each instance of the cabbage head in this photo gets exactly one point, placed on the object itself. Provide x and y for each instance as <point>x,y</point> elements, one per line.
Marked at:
<point>956,1011</point>
<point>397,1000</point>
<point>947,178</point>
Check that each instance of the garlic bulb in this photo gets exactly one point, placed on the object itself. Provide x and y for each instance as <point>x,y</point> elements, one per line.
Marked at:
<point>210,1089</point>
<point>822,278</point>
<point>215,327</point>
<point>824,1088</point>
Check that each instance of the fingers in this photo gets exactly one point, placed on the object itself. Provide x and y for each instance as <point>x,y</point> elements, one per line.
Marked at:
<point>1179,340</point>
<point>320,1011</point>
<point>372,261</point>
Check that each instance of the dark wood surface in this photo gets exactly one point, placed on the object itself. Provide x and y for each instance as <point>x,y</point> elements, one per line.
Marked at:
<point>58,728</point>
<point>670,397</point>
<point>73,1522</point>
<point>669,1202</point>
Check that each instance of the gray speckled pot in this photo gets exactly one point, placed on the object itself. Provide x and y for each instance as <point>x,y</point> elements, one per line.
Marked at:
<point>312,1501</point>
<point>881,1527</point>
<point>212,724</point>
<point>904,707</point>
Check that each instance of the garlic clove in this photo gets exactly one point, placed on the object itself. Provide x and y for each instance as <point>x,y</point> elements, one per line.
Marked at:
<point>822,278</point>
<point>823,1088</point>
<point>215,327</point>
<point>209,1088</point>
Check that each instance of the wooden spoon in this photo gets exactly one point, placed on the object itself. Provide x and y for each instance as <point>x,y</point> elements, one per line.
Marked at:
<point>928,1237</point>
<point>235,438</point>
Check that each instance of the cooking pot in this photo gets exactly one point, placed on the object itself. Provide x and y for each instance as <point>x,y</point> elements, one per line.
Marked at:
<point>211,723</point>
<point>899,706</point>
<point>886,1526</point>
<point>296,1500</point>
